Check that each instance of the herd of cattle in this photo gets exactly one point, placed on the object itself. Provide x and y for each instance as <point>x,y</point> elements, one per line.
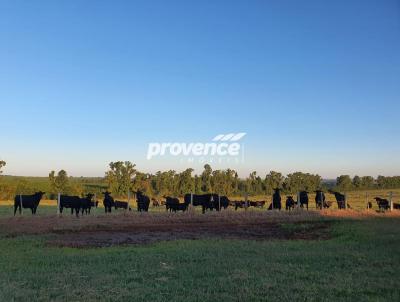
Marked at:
<point>210,202</point>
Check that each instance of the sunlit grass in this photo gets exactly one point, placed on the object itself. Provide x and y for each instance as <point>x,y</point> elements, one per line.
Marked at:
<point>359,263</point>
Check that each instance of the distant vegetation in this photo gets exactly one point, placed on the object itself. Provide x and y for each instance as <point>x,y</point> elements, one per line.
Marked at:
<point>122,176</point>
<point>2,164</point>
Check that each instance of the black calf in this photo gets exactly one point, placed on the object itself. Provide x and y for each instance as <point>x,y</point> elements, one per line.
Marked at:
<point>290,203</point>
<point>121,205</point>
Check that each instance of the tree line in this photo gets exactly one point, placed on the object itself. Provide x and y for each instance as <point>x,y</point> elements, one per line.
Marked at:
<point>122,177</point>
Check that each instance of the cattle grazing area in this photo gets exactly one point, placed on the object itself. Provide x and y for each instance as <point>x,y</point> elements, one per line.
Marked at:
<point>375,200</point>
<point>256,255</point>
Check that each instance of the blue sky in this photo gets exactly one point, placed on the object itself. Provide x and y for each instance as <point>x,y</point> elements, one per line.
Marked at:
<point>314,84</point>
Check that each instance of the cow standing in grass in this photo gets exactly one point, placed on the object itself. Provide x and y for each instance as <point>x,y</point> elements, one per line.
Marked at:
<point>70,202</point>
<point>303,199</point>
<point>290,203</point>
<point>170,202</point>
<point>87,203</point>
<point>320,200</point>
<point>340,199</point>
<point>239,204</point>
<point>173,205</point>
<point>27,202</point>
<point>121,205</point>
<point>207,201</point>
<point>383,204</point>
<point>276,200</point>
<point>222,202</point>
<point>108,202</point>
<point>142,201</point>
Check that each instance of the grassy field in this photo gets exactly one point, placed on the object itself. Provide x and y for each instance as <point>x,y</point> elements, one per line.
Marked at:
<point>358,260</point>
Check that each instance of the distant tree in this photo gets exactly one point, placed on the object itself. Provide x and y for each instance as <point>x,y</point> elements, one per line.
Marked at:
<point>186,182</point>
<point>224,182</point>
<point>357,183</point>
<point>76,189</point>
<point>254,184</point>
<point>344,183</point>
<point>273,180</point>
<point>206,177</point>
<point>59,182</point>
<point>2,164</point>
<point>232,179</point>
<point>141,182</point>
<point>382,182</point>
<point>119,177</point>
<point>367,182</point>
<point>387,182</point>
<point>197,184</point>
<point>299,181</point>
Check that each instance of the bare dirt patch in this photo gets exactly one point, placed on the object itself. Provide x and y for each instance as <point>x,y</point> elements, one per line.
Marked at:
<point>144,228</point>
<point>135,228</point>
<point>189,231</point>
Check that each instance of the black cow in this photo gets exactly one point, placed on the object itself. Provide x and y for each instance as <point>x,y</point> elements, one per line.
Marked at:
<point>320,200</point>
<point>70,202</point>
<point>121,205</point>
<point>142,201</point>
<point>290,203</point>
<point>340,199</point>
<point>221,202</point>
<point>170,202</point>
<point>276,200</point>
<point>205,201</point>
<point>180,207</point>
<point>208,201</point>
<point>383,204</point>
<point>173,205</point>
<point>87,204</point>
<point>303,199</point>
<point>27,202</point>
<point>108,202</point>
<point>239,204</point>
<point>252,203</point>
<point>256,204</point>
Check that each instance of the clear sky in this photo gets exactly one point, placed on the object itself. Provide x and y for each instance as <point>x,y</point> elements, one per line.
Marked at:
<point>314,84</point>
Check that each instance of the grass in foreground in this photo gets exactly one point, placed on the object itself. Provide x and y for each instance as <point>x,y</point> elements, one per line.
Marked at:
<point>360,262</point>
